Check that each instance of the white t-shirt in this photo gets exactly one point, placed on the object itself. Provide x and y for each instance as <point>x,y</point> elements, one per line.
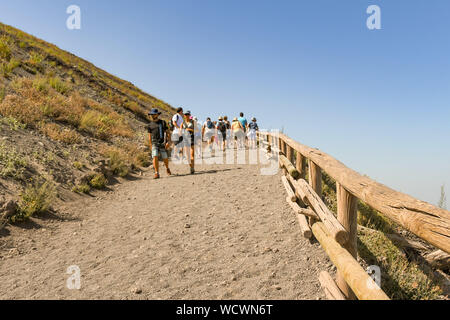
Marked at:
<point>178,119</point>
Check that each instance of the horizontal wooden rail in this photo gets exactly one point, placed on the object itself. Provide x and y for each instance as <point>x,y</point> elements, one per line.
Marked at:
<point>359,281</point>
<point>421,218</point>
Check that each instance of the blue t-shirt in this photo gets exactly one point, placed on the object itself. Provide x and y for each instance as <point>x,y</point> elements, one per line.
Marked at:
<point>243,121</point>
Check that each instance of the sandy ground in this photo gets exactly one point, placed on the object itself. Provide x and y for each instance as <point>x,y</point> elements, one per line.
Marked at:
<point>224,233</point>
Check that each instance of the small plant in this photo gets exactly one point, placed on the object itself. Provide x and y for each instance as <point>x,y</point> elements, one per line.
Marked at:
<point>143,160</point>
<point>35,58</point>
<point>35,199</point>
<point>12,164</point>
<point>55,132</point>
<point>5,51</point>
<point>98,181</point>
<point>2,94</point>
<point>78,165</point>
<point>82,188</point>
<point>117,163</point>
<point>59,85</point>
<point>40,84</point>
<point>13,123</point>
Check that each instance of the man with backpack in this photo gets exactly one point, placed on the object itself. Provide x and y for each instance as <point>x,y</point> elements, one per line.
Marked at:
<point>222,132</point>
<point>228,124</point>
<point>208,132</point>
<point>252,129</point>
<point>159,137</point>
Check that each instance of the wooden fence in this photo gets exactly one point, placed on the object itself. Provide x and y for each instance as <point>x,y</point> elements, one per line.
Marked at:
<point>338,235</point>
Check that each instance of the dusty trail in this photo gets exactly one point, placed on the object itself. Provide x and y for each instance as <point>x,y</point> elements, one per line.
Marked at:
<point>224,233</point>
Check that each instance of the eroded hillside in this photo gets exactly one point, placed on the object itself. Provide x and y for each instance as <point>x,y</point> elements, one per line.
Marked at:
<point>65,125</point>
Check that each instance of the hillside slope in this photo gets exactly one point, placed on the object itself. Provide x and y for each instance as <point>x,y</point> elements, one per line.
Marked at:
<point>59,115</point>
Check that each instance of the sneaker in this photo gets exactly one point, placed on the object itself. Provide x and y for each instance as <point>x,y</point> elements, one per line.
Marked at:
<point>156,176</point>
<point>169,172</point>
<point>192,170</point>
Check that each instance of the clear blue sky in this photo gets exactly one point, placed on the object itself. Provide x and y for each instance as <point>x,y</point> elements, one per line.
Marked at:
<point>379,101</point>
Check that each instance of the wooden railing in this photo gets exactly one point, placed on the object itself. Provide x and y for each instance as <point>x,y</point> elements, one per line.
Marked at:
<point>338,235</point>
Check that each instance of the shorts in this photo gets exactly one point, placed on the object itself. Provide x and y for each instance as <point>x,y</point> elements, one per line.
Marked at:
<point>209,133</point>
<point>238,135</point>
<point>222,135</point>
<point>159,152</point>
<point>251,135</point>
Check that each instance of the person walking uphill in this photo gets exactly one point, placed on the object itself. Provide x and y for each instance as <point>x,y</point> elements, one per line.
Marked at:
<point>159,137</point>
<point>190,139</point>
<point>176,126</point>
<point>252,129</point>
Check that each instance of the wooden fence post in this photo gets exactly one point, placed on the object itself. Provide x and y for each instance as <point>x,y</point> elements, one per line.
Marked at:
<point>289,153</point>
<point>315,178</point>
<point>315,181</point>
<point>347,208</point>
<point>300,164</point>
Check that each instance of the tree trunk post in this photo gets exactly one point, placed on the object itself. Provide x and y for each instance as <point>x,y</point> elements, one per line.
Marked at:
<point>347,207</point>
<point>300,164</point>
<point>315,181</point>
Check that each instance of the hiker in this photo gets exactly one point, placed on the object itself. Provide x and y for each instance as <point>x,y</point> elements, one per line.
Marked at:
<point>252,128</point>
<point>222,133</point>
<point>216,140</point>
<point>159,137</point>
<point>208,132</point>
<point>189,140</point>
<point>176,125</point>
<point>238,133</point>
<point>197,136</point>
<point>228,124</point>
<point>243,121</point>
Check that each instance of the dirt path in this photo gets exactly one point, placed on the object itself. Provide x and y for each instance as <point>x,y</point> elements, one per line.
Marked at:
<point>224,233</point>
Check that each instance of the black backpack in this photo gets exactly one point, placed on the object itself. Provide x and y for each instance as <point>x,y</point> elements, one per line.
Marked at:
<point>221,126</point>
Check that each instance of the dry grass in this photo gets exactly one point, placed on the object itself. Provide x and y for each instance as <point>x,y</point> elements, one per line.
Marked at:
<point>35,199</point>
<point>117,159</point>
<point>401,278</point>
<point>57,133</point>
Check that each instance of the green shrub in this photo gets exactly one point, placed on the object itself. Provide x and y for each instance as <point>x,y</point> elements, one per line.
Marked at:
<point>78,165</point>
<point>5,51</point>
<point>12,164</point>
<point>98,182</point>
<point>82,188</point>
<point>2,94</point>
<point>13,123</point>
<point>117,163</point>
<point>41,85</point>
<point>35,199</point>
<point>35,58</point>
<point>7,67</point>
<point>59,85</point>
<point>143,159</point>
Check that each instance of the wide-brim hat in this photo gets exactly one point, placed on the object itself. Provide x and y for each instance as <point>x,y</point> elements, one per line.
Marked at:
<point>154,111</point>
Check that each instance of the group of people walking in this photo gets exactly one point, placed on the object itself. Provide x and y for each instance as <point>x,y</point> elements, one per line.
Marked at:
<point>186,134</point>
